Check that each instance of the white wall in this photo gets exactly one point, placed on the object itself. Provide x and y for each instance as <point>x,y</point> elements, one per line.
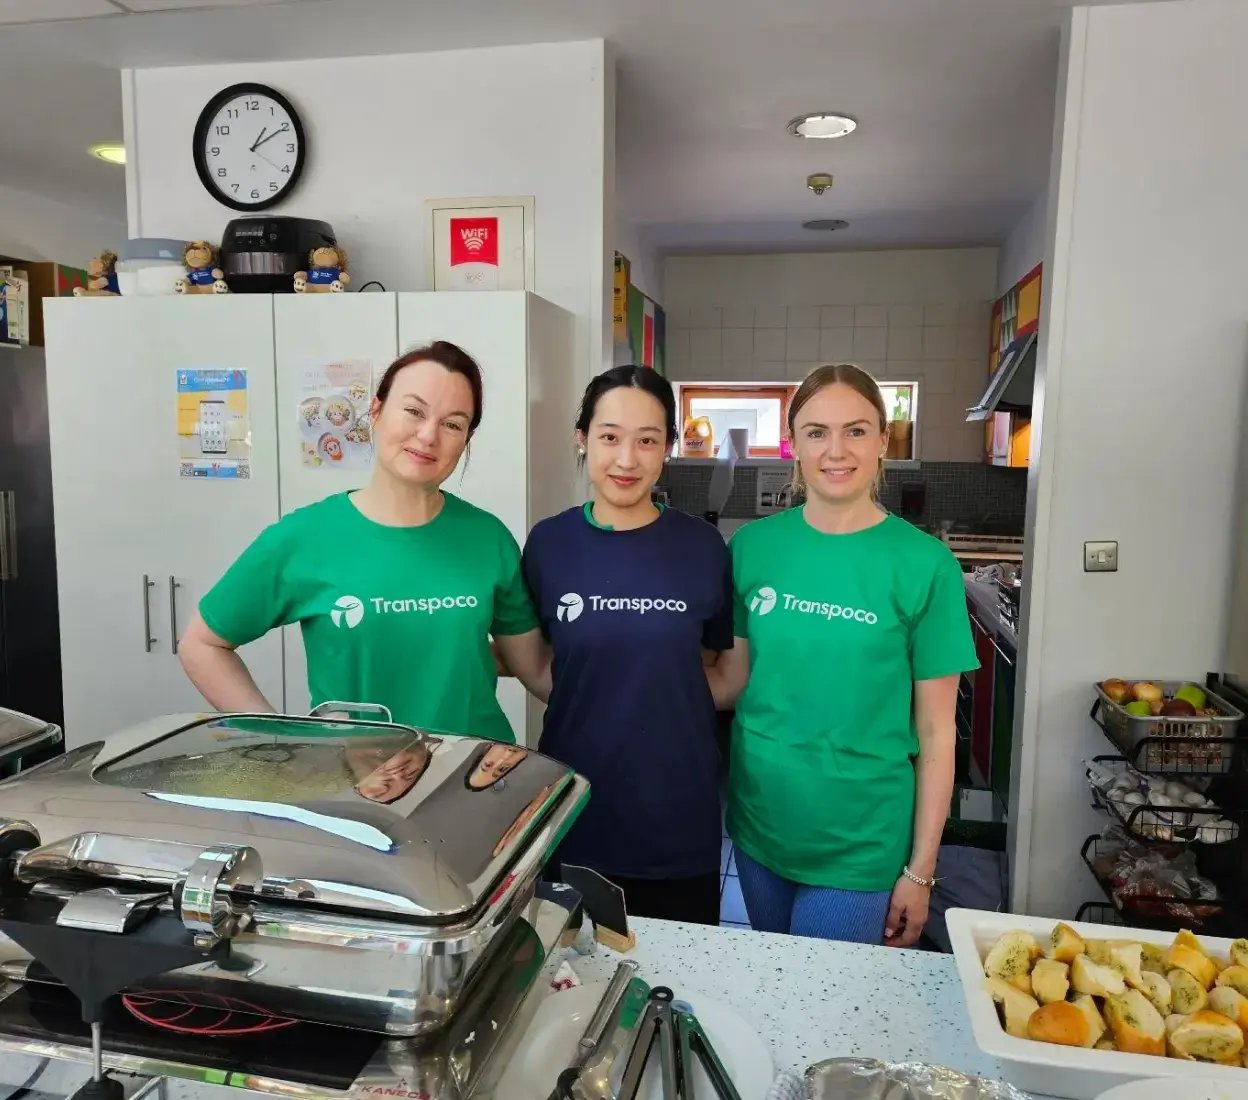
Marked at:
<point>1142,387</point>
<point>387,133</point>
<point>1024,247</point>
<point>36,228</point>
<point>647,267</point>
<point>916,316</point>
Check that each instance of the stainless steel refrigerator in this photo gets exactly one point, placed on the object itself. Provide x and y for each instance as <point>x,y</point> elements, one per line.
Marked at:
<point>30,649</point>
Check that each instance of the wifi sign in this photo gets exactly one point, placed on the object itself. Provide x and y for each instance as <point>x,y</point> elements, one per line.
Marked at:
<point>474,241</point>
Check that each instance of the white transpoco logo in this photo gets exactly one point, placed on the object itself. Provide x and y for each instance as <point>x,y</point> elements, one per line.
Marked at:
<point>349,610</point>
<point>764,601</point>
<point>573,605</point>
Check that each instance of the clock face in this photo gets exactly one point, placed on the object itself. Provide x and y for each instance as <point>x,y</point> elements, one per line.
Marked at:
<point>249,147</point>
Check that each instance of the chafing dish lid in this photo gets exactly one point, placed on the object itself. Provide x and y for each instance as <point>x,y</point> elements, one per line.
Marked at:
<point>15,726</point>
<point>357,815</point>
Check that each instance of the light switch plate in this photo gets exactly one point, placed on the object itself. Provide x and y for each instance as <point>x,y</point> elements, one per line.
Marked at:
<point>1100,557</point>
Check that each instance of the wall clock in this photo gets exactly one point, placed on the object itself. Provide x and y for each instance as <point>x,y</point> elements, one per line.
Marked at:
<point>249,147</point>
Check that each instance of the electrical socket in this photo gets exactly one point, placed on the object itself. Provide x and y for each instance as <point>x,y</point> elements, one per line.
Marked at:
<point>1100,557</point>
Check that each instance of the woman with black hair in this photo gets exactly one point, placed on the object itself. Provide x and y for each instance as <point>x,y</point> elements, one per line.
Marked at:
<point>634,599</point>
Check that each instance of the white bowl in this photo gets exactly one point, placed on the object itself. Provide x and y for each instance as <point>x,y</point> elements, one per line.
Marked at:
<point>1186,1088</point>
<point>1067,1071</point>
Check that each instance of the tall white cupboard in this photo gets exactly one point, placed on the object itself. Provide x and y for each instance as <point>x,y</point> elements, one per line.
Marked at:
<point>138,545</point>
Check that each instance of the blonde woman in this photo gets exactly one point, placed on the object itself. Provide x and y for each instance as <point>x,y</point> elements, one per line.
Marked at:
<point>851,627</point>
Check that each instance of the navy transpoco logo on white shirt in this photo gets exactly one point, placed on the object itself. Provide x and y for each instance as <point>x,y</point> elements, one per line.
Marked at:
<point>570,608</point>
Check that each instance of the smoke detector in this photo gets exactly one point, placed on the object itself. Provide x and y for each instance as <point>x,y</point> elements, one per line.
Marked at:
<point>827,225</point>
<point>821,125</point>
<point>818,182</point>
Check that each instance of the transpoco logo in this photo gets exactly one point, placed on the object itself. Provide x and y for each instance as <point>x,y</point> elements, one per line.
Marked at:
<point>570,608</point>
<point>349,610</point>
<point>766,600</point>
<point>573,605</point>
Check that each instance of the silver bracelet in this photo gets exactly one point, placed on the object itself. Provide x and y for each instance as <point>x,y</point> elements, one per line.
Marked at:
<point>928,882</point>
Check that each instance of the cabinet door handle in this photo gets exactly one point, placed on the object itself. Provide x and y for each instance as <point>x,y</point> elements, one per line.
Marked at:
<point>8,535</point>
<point>148,640</point>
<point>1004,656</point>
<point>173,615</point>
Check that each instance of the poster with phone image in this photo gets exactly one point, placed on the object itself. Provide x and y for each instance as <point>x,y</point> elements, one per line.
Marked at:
<point>214,434</point>
<point>335,430</point>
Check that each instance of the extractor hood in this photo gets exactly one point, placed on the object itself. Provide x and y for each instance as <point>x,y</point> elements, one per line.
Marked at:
<point>1011,385</point>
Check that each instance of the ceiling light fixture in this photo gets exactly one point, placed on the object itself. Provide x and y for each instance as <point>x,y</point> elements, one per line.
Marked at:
<point>827,225</point>
<point>819,182</point>
<point>111,152</point>
<point>822,125</point>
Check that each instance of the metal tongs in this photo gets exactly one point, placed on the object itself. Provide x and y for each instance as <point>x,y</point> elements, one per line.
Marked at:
<point>680,1039</point>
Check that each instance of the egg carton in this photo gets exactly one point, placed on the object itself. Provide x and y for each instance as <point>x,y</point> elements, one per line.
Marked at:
<point>1154,808</point>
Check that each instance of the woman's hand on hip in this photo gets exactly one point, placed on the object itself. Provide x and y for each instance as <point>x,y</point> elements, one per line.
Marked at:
<point>907,913</point>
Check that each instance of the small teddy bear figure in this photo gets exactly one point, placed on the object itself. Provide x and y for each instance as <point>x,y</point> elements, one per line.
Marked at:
<point>101,277</point>
<point>202,274</point>
<point>327,271</point>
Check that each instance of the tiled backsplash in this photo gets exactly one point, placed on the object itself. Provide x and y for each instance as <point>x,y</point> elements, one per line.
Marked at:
<point>968,493</point>
<point>943,347</point>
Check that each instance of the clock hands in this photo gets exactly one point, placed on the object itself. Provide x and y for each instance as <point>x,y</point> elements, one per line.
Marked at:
<point>261,140</point>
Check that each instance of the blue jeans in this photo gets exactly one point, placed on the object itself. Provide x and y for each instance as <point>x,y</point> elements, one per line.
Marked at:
<point>777,904</point>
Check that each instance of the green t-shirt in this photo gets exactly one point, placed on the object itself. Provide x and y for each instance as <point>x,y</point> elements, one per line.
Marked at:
<point>839,627</point>
<point>393,615</point>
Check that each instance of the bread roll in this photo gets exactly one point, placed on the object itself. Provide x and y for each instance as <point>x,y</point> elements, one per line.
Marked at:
<point>1095,979</point>
<point>1182,956</point>
<point>1064,944</point>
<point>1050,981</point>
<point>1060,1022</point>
<point>1236,977</point>
<point>1023,984</point>
<point>1173,1021</point>
<point>1126,959</point>
<point>1096,1022</point>
<point>1011,956</point>
<point>1157,990</point>
<point>1153,957</point>
<point>1188,994</point>
<point>1017,1006</point>
<point>1230,1003</point>
<point>1105,1044</point>
<point>1136,1025</point>
<point>1239,952</point>
<point>1207,1037</point>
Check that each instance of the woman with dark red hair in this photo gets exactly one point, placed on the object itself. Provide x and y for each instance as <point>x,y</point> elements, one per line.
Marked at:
<point>397,587</point>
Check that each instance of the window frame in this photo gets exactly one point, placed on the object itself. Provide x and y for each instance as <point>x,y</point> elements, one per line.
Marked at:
<point>703,391</point>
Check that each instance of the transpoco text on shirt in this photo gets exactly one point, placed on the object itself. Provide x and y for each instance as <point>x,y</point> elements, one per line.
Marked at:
<point>348,611</point>
<point>767,599</point>
<point>572,605</point>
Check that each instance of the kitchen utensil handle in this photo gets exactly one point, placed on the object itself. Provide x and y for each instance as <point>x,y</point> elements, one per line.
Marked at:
<point>8,535</point>
<point>607,1009</point>
<point>1004,656</point>
<point>148,640</point>
<point>173,615</point>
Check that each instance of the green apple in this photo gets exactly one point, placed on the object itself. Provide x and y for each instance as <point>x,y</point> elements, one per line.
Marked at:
<point>1140,709</point>
<point>1192,694</point>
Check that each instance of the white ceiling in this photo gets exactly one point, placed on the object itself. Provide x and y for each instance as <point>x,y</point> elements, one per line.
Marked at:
<point>954,99</point>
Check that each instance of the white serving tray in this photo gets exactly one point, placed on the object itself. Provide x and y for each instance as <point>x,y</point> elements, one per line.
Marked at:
<point>1046,1068</point>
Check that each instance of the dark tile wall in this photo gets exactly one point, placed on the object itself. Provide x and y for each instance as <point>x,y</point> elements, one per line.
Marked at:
<point>989,499</point>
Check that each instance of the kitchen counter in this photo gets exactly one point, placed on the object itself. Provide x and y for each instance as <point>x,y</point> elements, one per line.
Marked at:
<point>809,999</point>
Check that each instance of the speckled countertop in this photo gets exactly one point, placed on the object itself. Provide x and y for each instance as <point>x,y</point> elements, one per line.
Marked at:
<point>813,999</point>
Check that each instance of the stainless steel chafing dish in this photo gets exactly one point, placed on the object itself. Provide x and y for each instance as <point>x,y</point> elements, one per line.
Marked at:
<point>361,871</point>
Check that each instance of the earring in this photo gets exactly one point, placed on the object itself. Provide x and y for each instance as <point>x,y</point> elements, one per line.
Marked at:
<point>580,450</point>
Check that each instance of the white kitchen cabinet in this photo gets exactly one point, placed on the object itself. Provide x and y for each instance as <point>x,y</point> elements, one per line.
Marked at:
<point>311,330</point>
<point>522,461</point>
<point>122,512</point>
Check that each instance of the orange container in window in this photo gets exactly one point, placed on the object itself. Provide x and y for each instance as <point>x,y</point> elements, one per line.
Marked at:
<point>698,438</point>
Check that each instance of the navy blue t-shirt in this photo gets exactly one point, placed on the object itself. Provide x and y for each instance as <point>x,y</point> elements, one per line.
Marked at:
<point>627,614</point>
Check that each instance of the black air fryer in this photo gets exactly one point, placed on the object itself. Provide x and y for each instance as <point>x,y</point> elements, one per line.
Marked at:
<point>260,255</point>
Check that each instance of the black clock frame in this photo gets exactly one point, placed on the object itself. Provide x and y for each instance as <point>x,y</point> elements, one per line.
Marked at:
<point>201,132</point>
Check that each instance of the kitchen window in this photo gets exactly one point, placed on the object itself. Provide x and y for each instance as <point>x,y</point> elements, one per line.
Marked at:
<point>763,409</point>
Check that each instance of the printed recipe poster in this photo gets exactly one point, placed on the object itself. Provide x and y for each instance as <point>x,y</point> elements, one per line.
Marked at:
<point>335,431</point>
<point>214,433</point>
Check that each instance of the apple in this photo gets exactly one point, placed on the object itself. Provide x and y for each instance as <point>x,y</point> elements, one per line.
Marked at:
<point>1117,691</point>
<point>1192,694</point>
<point>1140,708</point>
<point>1178,708</point>
<point>1148,692</point>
